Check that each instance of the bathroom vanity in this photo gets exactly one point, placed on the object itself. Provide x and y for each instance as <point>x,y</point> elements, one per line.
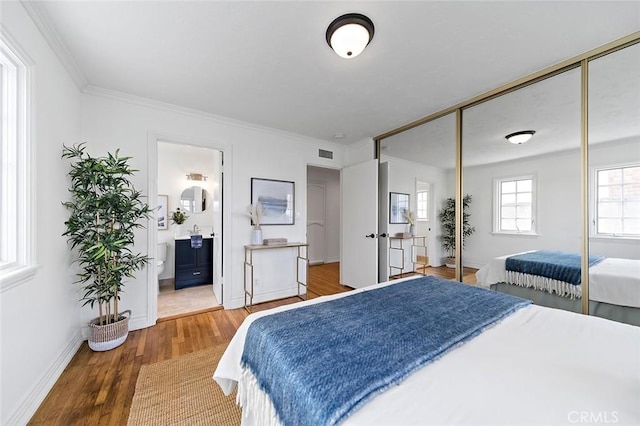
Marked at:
<point>194,266</point>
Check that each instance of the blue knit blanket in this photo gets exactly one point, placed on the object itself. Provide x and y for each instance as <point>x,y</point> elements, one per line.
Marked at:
<point>319,363</point>
<point>556,265</point>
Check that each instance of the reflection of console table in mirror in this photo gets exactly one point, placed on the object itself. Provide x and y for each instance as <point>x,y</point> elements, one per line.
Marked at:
<point>418,252</point>
<point>302,256</point>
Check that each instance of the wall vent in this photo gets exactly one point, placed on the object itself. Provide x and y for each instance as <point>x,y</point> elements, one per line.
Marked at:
<point>322,153</point>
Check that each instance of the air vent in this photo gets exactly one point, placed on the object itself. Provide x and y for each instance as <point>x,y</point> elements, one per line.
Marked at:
<point>322,153</point>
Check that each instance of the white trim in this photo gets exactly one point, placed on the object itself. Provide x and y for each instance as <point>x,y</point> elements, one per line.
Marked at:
<point>18,171</point>
<point>497,205</point>
<point>38,392</point>
<point>227,218</point>
<point>41,21</point>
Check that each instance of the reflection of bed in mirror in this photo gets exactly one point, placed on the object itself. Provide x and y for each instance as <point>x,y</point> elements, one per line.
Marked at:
<point>614,284</point>
<point>323,359</point>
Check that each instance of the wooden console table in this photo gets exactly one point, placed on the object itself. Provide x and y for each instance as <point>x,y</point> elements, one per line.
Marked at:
<point>302,255</point>
<point>417,242</point>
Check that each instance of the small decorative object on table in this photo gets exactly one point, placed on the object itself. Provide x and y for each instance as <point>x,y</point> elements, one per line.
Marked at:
<point>275,241</point>
<point>255,213</point>
<point>411,218</point>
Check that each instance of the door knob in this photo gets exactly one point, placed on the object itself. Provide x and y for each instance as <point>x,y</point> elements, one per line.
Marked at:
<point>370,236</point>
<point>383,235</point>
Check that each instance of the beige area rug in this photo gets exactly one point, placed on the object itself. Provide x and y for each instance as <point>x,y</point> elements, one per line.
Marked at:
<point>181,391</point>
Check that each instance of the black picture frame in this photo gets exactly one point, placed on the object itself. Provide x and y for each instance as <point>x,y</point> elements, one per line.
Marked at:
<point>277,198</point>
<point>398,205</point>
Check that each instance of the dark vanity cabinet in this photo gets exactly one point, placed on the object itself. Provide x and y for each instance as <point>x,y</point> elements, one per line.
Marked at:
<point>193,266</point>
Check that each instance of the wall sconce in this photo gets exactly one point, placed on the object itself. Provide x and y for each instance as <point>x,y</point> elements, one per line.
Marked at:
<point>349,34</point>
<point>196,176</point>
<point>518,138</point>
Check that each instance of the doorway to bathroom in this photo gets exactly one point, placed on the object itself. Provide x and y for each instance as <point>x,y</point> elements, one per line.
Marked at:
<point>189,236</point>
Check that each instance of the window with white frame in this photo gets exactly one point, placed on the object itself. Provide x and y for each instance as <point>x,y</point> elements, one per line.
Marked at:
<point>16,221</point>
<point>515,212</point>
<point>422,205</point>
<point>618,201</point>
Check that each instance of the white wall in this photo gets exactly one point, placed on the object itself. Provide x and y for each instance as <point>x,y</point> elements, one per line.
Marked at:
<point>40,321</point>
<point>175,161</point>
<point>331,180</point>
<point>110,123</point>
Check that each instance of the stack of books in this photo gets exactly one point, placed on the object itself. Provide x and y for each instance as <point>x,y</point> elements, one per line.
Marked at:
<point>404,235</point>
<point>275,241</point>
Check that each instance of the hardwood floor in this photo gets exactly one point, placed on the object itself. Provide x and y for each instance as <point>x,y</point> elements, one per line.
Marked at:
<point>97,388</point>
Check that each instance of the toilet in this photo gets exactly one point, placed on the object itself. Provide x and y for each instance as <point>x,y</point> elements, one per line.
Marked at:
<point>161,258</point>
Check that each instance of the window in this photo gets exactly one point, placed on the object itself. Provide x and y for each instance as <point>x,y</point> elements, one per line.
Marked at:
<point>16,248</point>
<point>515,205</point>
<point>618,201</point>
<point>422,206</point>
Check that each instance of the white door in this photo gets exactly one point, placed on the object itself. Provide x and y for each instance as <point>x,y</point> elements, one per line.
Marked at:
<point>316,226</point>
<point>218,283</point>
<point>359,225</point>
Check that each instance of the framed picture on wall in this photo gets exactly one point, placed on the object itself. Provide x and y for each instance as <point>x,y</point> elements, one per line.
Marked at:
<point>277,198</point>
<point>162,213</point>
<point>398,205</point>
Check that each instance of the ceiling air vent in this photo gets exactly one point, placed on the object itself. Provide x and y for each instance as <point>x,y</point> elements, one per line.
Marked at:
<point>325,154</point>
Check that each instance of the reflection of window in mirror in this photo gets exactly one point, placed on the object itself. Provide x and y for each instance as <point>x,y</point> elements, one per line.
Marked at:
<point>515,212</point>
<point>617,207</point>
<point>423,202</point>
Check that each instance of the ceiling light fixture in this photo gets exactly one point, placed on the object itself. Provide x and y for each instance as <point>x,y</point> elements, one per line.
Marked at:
<point>196,176</point>
<point>518,138</point>
<point>349,34</point>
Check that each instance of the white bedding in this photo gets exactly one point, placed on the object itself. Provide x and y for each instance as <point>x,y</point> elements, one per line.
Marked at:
<point>538,366</point>
<point>614,281</point>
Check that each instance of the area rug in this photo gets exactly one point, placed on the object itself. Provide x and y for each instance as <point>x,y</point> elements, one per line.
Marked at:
<point>181,391</point>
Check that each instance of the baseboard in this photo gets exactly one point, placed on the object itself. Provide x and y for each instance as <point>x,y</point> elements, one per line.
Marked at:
<point>41,388</point>
<point>332,260</point>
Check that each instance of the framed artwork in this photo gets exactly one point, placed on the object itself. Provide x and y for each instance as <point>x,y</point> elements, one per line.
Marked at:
<point>162,213</point>
<point>398,205</point>
<point>277,198</point>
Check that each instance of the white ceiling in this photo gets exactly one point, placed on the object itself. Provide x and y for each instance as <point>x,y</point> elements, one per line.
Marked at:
<point>268,63</point>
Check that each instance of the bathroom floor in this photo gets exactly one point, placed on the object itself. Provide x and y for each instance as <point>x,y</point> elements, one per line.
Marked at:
<point>173,302</point>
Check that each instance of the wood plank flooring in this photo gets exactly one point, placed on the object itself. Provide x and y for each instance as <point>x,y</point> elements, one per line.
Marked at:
<point>97,388</point>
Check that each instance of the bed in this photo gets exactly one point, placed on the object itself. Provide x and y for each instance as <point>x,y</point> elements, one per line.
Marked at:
<point>531,365</point>
<point>614,285</point>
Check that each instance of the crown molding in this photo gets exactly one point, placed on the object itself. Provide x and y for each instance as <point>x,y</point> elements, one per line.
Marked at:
<point>165,106</point>
<point>42,22</point>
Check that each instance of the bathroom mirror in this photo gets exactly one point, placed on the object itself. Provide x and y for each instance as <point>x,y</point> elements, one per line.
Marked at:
<point>194,199</point>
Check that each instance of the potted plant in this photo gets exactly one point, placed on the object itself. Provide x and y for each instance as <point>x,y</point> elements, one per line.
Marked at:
<point>178,217</point>
<point>447,218</point>
<point>411,219</point>
<point>105,212</point>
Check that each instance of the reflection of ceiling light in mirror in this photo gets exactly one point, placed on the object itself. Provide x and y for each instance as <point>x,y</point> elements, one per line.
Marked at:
<point>339,136</point>
<point>196,176</point>
<point>518,138</point>
<point>349,34</point>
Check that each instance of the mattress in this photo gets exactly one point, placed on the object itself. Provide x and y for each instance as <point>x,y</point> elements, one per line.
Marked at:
<point>613,281</point>
<point>537,366</point>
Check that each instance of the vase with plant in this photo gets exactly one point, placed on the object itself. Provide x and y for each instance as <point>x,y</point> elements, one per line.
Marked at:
<point>106,210</point>
<point>178,217</point>
<point>255,212</point>
<point>411,219</point>
<point>447,218</point>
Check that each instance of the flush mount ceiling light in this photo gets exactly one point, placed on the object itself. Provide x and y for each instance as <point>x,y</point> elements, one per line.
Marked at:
<point>518,138</point>
<point>349,34</point>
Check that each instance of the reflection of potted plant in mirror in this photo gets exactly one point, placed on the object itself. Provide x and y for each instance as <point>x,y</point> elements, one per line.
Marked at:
<point>411,218</point>
<point>447,218</point>
<point>105,210</point>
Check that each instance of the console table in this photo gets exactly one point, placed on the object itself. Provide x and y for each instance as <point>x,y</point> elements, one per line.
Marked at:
<point>418,242</point>
<point>302,256</point>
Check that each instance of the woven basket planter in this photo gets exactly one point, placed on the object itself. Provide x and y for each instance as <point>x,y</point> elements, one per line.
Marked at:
<point>106,337</point>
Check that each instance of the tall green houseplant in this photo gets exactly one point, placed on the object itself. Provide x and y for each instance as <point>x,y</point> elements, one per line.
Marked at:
<point>447,218</point>
<point>105,212</point>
